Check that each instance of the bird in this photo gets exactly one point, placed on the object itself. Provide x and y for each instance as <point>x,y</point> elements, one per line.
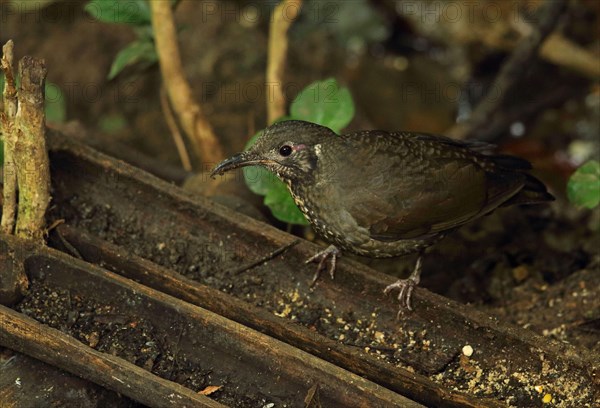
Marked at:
<point>385,194</point>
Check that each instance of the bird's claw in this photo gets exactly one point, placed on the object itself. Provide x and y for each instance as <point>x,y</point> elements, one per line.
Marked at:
<point>331,252</point>
<point>405,289</point>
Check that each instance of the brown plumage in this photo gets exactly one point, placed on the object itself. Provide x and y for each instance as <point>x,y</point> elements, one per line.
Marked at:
<point>384,194</point>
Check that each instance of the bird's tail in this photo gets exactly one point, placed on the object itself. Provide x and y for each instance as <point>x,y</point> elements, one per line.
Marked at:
<point>533,192</point>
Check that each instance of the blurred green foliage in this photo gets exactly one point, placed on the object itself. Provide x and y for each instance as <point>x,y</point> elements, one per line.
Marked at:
<point>353,24</point>
<point>56,107</point>
<point>324,103</point>
<point>136,14</point>
<point>583,188</point>
<point>130,12</point>
<point>112,122</point>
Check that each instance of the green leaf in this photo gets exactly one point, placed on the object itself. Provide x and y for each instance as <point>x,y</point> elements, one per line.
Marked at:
<point>282,205</point>
<point>277,195</point>
<point>583,188</point>
<point>131,12</point>
<point>142,51</point>
<point>324,103</point>
<point>56,109</point>
<point>256,177</point>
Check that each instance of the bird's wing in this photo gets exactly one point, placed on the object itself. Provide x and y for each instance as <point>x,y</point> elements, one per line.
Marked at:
<point>416,190</point>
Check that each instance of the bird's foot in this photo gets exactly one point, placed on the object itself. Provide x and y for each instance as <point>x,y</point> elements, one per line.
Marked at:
<point>331,252</point>
<point>405,288</point>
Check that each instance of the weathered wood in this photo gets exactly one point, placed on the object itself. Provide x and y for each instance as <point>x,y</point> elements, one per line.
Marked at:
<point>13,280</point>
<point>51,346</point>
<point>239,352</point>
<point>30,153</point>
<point>396,378</point>
<point>26,382</point>
<point>9,138</point>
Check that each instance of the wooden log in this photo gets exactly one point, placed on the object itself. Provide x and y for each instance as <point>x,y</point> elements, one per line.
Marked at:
<point>126,264</point>
<point>28,382</point>
<point>245,357</point>
<point>25,335</point>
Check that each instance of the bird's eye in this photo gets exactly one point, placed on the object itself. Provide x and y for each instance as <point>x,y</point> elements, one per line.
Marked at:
<point>285,150</point>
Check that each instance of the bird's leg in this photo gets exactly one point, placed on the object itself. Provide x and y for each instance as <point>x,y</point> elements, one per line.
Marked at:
<point>331,252</point>
<point>406,287</point>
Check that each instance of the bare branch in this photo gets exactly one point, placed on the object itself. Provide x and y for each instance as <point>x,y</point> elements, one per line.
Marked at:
<point>33,171</point>
<point>284,15</point>
<point>9,205</point>
<point>189,112</point>
<point>175,133</point>
<point>509,74</point>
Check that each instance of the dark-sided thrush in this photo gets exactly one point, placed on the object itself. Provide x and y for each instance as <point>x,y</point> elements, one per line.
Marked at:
<point>385,194</point>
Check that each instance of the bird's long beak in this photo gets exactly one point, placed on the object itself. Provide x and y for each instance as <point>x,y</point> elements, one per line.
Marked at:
<point>239,160</point>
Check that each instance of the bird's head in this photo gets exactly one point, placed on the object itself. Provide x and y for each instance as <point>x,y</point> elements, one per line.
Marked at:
<point>290,149</point>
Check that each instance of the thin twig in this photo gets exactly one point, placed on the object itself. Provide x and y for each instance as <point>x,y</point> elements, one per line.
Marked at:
<point>263,259</point>
<point>563,52</point>
<point>509,75</point>
<point>10,90</point>
<point>547,98</point>
<point>189,112</point>
<point>390,350</point>
<point>312,400</point>
<point>284,15</point>
<point>9,205</point>
<point>175,133</point>
<point>68,246</point>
